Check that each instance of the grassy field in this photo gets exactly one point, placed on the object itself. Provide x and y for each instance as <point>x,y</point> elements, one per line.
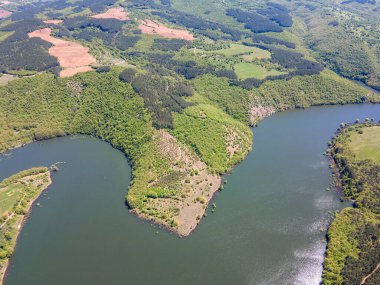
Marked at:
<point>145,43</point>
<point>4,35</point>
<point>8,197</point>
<point>238,49</point>
<point>367,144</point>
<point>246,70</point>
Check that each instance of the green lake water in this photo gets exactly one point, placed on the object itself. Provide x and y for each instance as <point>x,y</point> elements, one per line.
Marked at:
<point>266,228</point>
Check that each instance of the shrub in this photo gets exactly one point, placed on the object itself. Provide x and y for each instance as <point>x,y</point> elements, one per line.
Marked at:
<point>127,75</point>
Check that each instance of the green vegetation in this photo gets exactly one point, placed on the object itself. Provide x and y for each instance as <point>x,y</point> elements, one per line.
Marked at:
<point>238,49</point>
<point>306,91</point>
<point>210,131</point>
<point>196,97</point>
<point>298,92</point>
<point>233,100</point>
<point>347,41</point>
<point>366,145</point>
<point>354,236</point>
<point>102,105</point>
<point>246,70</point>
<point>17,193</point>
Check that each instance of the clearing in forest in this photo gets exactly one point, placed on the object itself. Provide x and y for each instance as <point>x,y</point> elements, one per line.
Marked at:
<point>72,57</point>
<point>55,22</point>
<point>366,145</point>
<point>113,13</point>
<point>155,28</point>
<point>4,13</point>
<point>238,49</point>
<point>246,70</point>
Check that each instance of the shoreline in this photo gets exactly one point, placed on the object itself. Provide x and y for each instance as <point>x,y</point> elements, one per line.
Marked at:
<point>4,269</point>
<point>172,230</point>
<point>157,222</point>
<point>332,241</point>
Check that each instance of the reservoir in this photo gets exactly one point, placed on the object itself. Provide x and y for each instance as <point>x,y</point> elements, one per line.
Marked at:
<point>268,227</point>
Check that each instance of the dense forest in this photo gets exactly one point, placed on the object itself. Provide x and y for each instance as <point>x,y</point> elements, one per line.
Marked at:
<point>18,51</point>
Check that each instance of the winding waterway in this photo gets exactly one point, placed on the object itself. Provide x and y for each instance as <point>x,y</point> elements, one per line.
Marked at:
<point>266,228</point>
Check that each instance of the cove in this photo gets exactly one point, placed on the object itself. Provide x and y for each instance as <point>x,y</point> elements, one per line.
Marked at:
<point>266,228</point>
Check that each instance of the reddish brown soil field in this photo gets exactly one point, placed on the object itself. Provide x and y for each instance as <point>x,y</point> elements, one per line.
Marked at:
<point>72,56</point>
<point>72,71</point>
<point>56,22</point>
<point>155,28</point>
<point>5,2</point>
<point>113,13</point>
<point>4,13</point>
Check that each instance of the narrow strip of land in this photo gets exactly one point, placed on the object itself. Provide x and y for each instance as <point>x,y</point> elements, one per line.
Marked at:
<point>17,195</point>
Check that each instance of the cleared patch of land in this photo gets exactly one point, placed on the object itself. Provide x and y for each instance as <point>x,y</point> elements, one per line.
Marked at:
<point>75,70</point>
<point>4,13</point>
<point>155,28</point>
<point>55,22</point>
<point>71,55</point>
<point>246,70</point>
<point>367,144</point>
<point>259,112</point>
<point>113,13</point>
<point>5,78</point>
<point>17,195</point>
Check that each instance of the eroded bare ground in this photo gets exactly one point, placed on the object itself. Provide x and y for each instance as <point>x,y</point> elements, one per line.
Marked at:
<point>113,13</point>
<point>155,28</point>
<point>259,112</point>
<point>72,57</point>
<point>5,78</point>
<point>232,142</point>
<point>4,13</point>
<point>55,22</point>
<point>5,2</point>
<point>193,186</point>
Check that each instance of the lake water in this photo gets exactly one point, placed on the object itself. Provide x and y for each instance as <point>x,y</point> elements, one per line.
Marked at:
<point>266,228</point>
